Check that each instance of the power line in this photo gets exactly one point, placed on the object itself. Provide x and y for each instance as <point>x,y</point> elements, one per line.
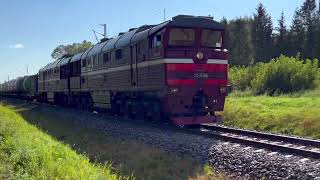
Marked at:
<point>94,32</point>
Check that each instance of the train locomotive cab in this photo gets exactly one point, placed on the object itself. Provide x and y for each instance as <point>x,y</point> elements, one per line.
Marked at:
<point>195,70</point>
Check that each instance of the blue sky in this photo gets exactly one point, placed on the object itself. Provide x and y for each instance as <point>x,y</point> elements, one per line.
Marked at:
<point>31,29</point>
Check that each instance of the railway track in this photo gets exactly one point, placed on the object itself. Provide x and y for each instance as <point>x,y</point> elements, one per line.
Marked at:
<point>278,143</point>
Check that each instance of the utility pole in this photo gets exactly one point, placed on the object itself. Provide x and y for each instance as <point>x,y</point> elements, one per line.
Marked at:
<point>104,30</point>
<point>164,14</point>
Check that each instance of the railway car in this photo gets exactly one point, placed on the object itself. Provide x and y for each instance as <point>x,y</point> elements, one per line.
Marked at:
<point>24,87</point>
<point>175,71</point>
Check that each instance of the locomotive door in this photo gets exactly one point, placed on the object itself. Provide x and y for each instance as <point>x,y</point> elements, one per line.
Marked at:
<point>134,65</point>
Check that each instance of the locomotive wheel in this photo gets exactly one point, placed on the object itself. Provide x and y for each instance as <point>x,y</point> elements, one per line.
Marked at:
<point>155,113</point>
<point>84,103</point>
<point>141,109</point>
<point>122,107</point>
<point>115,107</point>
<point>65,101</point>
<point>88,104</point>
<point>78,101</point>
<point>129,109</point>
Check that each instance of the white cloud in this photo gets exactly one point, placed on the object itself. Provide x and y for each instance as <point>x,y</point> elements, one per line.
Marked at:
<point>16,46</point>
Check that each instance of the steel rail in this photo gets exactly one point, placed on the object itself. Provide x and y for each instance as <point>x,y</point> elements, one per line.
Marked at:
<point>215,132</point>
<point>278,137</point>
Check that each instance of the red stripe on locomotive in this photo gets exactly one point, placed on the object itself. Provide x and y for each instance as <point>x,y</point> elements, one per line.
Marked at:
<point>190,70</point>
<point>198,67</point>
<point>174,82</point>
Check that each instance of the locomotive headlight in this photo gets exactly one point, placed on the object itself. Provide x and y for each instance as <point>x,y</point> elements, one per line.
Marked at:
<point>227,89</point>
<point>200,55</point>
<point>173,90</point>
<point>223,89</point>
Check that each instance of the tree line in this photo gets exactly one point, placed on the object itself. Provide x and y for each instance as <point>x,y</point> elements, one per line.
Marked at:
<point>254,39</point>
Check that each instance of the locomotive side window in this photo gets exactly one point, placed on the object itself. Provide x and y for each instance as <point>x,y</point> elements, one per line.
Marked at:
<point>210,38</point>
<point>118,54</point>
<point>157,41</point>
<point>182,37</point>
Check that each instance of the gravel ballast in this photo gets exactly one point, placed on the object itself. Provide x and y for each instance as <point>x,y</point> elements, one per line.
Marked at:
<point>237,160</point>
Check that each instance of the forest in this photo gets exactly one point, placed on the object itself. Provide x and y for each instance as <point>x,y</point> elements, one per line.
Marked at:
<point>256,39</point>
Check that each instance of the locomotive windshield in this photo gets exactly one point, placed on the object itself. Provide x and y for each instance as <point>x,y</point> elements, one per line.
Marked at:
<point>211,38</point>
<point>182,37</point>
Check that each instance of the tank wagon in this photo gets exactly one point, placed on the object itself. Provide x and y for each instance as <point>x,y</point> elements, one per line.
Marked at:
<point>25,87</point>
<point>176,71</point>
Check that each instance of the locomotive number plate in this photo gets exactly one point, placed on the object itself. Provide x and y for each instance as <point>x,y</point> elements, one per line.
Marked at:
<point>200,75</point>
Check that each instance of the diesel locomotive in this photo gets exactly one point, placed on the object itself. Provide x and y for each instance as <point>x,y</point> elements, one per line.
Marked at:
<point>176,71</point>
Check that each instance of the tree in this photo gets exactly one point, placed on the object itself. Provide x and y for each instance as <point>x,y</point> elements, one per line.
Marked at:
<point>224,21</point>
<point>262,34</point>
<point>309,15</point>
<point>71,49</point>
<point>281,37</point>
<point>297,35</point>
<point>240,41</point>
<point>318,33</point>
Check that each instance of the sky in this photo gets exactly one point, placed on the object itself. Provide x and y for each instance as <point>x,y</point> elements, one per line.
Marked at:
<point>31,29</point>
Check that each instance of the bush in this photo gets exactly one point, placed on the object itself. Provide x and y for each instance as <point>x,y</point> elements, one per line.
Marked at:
<point>281,75</point>
<point>240,77</point>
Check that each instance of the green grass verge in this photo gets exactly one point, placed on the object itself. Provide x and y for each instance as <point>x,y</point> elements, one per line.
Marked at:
<point>297,114</point>
<point>28,153</point>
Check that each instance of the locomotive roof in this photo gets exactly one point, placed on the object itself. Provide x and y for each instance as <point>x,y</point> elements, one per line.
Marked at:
<point>195,21</point>
<point>125,39</point>
<point>110,44</point>
<point>84,55</point>
<point>64,61</point>
<point>47,66</point>
<point>76,57</point>
<point>55,64</point>
<point>96,49</point>
<point>143,33</point>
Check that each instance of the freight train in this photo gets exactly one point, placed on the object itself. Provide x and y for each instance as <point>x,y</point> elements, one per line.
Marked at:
<point>176,71</point>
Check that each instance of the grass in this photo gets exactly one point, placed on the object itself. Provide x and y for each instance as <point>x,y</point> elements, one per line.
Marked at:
<point>127,158</point>
<point>297,114</point>
<point>28,153</point>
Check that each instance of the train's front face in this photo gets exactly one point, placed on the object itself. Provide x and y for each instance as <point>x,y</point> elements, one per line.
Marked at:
<point>196,74</point>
